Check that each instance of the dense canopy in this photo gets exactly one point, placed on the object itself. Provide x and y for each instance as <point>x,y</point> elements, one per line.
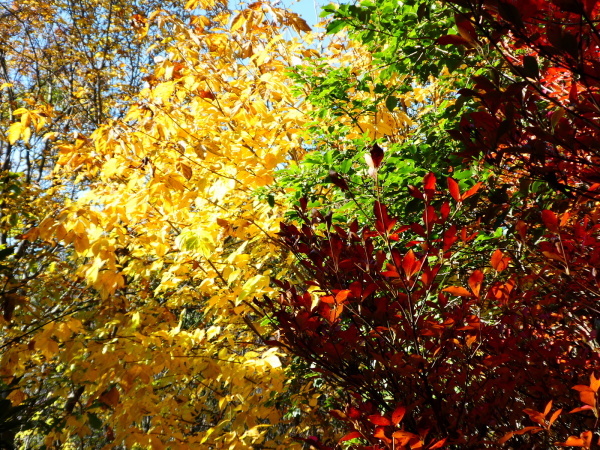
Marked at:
<point>220,228</point>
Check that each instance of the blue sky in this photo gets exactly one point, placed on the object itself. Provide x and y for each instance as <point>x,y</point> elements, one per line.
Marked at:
<point>309,10</point>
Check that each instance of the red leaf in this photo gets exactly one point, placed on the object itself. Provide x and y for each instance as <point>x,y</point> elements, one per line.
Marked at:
<point>390,274</point>
<point>408,264</point>
<point>384,224</point>
<point>465,28</point>
<point>454,189</point>
<point>449,237</point>
<point>338,414</point>
<point>445,211</point>
<point>398,415</point>
<point>521,228</point>
<point>429,184</point>
<point>380,420</point>
<point>206,94</point>
<point>110,397</point>
<point>354,413</point>
<point>550,220</point>
<point>351,435</point>
<point>336,179</point>
<point>415,192</point>
<point>418,228</point>
<point>429,217</point>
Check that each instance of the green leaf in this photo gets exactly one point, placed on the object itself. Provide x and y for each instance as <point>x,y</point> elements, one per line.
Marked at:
<point>391,102</point>
<point>94,421</point>
<point>335,26</point>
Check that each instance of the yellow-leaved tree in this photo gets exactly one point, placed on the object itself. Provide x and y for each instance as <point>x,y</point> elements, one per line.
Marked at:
<point>65,67</point>
<point>156,344</point>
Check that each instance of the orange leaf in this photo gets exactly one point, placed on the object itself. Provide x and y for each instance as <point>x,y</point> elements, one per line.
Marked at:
<point>506,437</point>
<point>342,296</point>
<point>459,291</point>
<point>548,408</point>
<point>475,281</point>
<point>403,437</point>
<point>536,416</point>
<point>573,441</point>
<point>111,397</point>
<point>529,430</point>
<point>583,408</point>
<point>380,433</point>
<point>554,417</point>
<point>471,191</point>
<point>584,440</point>
<point>594,383</point>
<point>398,415</point>
<point>499,262</point>
<point>586,395</point>
<point>438,444</point>
<point>470,339</point>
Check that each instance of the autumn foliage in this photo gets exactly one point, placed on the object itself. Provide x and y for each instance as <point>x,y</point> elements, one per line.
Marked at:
<point>431,339</point>
<point>386,239</point>
<point>425,363</point>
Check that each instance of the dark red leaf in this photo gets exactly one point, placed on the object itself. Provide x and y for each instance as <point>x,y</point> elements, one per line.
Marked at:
<point>336,179</point>
<point>550,220</point>
<point>376,155</point>
<point>415,192</point>
<point>453,39</point>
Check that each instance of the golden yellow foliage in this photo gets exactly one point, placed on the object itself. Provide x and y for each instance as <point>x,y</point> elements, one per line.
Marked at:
<point>169,231</point>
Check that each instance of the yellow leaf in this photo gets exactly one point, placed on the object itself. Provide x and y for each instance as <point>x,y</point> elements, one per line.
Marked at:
<point>14,132</point>
<point>273,361</point>
<point>251,286</point>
